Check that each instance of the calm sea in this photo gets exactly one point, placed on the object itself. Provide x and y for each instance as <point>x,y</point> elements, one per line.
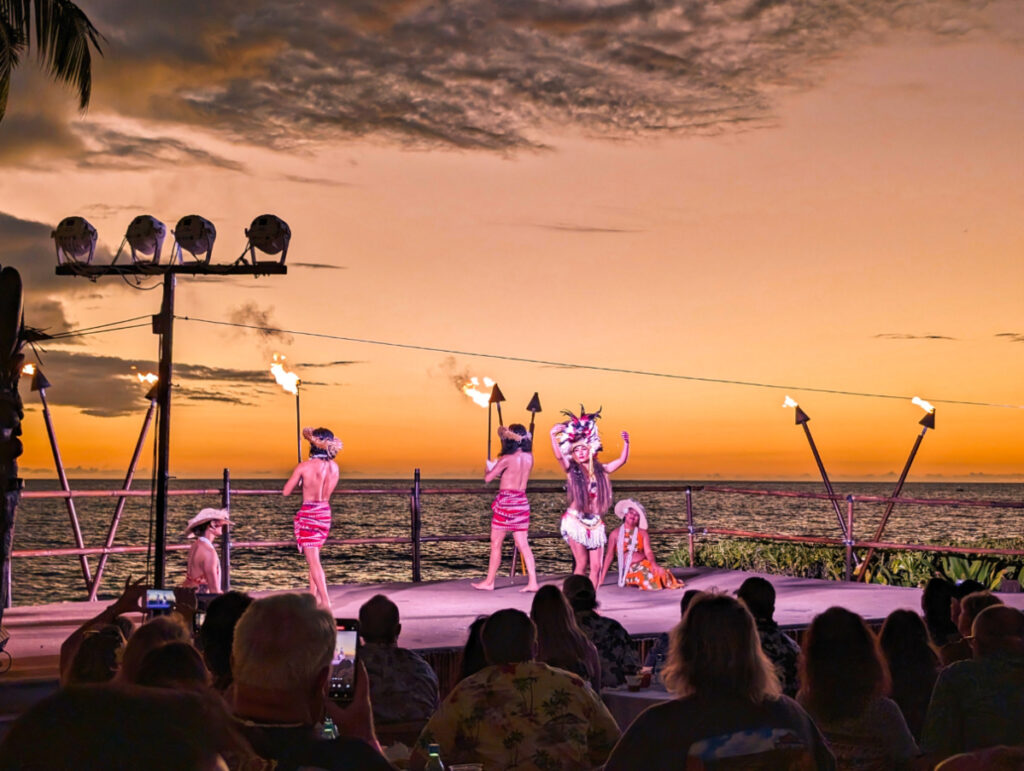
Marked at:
<point>44,523</point>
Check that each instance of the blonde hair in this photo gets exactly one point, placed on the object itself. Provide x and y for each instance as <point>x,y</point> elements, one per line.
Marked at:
<point>282,642</point>
<point>716,649</point>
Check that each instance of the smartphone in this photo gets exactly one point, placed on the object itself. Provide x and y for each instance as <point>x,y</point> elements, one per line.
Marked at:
<point>159,600</point>
<point>342,685</point>
<point>197,621</point>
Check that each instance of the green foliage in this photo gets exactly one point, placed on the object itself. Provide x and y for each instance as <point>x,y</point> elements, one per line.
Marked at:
<point>895,568</point>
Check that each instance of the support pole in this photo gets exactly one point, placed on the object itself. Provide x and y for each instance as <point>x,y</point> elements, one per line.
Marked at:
<point>690,545</point>
<point>225,538</point>
<point>163,325</point>
<point>821,468</point>
<point>119,509</point>
<point>848,540</point>
<point>69,501</point>
<point>414,508</point>
<point>298,426</point>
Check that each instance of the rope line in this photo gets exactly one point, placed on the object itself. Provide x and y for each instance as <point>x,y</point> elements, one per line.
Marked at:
<point>65,336</point>
<point>80,330</point>
<point>593,367</point>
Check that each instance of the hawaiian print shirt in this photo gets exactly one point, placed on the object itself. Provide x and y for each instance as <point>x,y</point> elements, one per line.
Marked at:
<point>403,686</point>
<point>522,716</point>
<point>619,656</point>
<point>783,652</point>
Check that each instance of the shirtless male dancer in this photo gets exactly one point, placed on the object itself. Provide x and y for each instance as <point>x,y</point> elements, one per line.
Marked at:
<point>318,477</point>
<point>511,507</point>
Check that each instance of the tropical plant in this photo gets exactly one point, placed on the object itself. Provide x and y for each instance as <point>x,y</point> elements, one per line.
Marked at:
<point>63,38</point>
<point>989,573</point>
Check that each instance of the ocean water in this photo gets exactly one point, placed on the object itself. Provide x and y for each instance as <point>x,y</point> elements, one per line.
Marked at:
<point>44,523</point>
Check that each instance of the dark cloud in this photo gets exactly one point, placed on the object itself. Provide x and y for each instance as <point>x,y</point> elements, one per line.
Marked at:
<point>1013,337</point>
<point>902,336</point>
<point>252,315</point>
<point>472,74</point>
<point>316,266</point>
<point>315,181</point>
<point>585,228</point>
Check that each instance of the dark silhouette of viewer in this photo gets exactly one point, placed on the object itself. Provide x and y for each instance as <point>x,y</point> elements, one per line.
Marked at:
<point>758,595</point>
<point>730,711</point>
<point>217,634</point>
<point>472,659</point>
<point>913,665</point>
<point>560,641</point>
<point>403,686</point>
<point>614,645</point>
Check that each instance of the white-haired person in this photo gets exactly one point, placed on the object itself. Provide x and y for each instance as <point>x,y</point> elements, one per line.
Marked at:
<point>281,663</point>
<point>202,570</point>
<point>630,544</point>
<point>730,711</point>
<point>318,477</point>
<point>576,443</point>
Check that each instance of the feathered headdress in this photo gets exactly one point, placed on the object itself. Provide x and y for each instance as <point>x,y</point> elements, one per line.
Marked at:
<point>579,429</point>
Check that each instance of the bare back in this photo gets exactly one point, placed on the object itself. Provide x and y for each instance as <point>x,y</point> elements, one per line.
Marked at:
<point>514,470</point>
<point>318,478</point>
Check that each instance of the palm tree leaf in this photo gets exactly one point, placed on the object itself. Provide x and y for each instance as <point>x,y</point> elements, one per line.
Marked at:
<point>63,36</point>
<point>12,43</point>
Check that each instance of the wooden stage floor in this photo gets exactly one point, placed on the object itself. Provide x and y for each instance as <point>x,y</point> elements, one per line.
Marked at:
<point>436,614</point>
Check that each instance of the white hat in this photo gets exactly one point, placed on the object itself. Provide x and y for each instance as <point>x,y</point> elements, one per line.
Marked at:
<point>623,507</point>
<point>207,515</point>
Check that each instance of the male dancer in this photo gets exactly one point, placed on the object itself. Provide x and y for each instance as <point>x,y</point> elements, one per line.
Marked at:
<point>318,477</point>
<point>511,507</point>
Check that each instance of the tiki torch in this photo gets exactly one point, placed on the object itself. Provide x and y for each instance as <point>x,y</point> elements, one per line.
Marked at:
<point>497,397</point>
<point>533,408</point>
<point>289,381</point>
<point>928,421</point>
<point>801,420</point>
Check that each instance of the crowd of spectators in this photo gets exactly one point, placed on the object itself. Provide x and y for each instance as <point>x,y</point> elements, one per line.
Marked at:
<point>249,689</point>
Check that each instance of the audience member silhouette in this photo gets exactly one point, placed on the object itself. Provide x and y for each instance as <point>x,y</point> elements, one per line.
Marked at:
<point>97,658</point>
<point>174,665</point>
<point>217,634</point>
<point>613,643</point>
<point>759,596</point>
<point>966,609</point>
<point>913,665</point>
<point>560,641</point>
<point>472,659</point>
<point>936,603</point>
<point>154,633</point>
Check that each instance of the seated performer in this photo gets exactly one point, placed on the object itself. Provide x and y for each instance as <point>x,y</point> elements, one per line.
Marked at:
<point>318,477</point>
<point>203,567</point>
<point>576,443</point>
<point>632,545</point>
<point>511,507</point>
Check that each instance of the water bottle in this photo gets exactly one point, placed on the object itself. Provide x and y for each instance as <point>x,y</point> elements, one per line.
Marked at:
<point>434,758</point>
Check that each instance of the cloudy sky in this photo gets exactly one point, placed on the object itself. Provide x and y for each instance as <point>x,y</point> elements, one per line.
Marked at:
<point>807,194</point>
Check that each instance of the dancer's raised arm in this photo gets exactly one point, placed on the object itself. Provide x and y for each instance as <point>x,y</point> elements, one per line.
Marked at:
<point>621,460</point>
<point>555,431</point>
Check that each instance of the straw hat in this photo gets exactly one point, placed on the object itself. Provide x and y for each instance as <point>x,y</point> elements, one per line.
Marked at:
<point>329,444</point>
<point>623,506</point>
<point>204,516</point>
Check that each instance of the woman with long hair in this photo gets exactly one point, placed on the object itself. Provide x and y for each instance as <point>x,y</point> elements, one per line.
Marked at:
<point>560,641</point>
<point>913,665</point>
<point>844,685</point>
<point>576,443</point>
<point>730,708</point>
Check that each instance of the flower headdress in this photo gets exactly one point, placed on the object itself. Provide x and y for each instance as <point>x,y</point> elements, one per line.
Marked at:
<point>327,442</point>
<point>577,430</point>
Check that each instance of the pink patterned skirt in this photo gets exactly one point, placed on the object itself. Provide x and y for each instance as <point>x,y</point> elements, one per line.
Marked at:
<point>312,524</point>
<point>511,511</point>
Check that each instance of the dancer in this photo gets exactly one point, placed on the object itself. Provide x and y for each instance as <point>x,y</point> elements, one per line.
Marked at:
<point>318,477</point>
<point>631,544</point>
<point>511,507</point>
<point>202,571</point>
<point>576,443</point>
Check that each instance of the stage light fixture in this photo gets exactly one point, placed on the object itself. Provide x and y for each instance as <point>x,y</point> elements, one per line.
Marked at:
<point>75,239</point>
<point>145,236</point>
<point>270,234</point>
<point>195,235</point>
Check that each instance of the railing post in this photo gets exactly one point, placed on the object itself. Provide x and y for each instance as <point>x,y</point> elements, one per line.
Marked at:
<point>414,510</point>
<point>848,541</point>
<point>225,539</point>
<point>689,526</point>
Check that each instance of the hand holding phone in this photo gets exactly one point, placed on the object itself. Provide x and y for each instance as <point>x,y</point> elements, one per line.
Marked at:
<point>342,684</point>
<point>159,600</point>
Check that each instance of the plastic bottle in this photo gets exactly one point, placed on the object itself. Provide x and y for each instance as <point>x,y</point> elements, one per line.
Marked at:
<point>434,758</point>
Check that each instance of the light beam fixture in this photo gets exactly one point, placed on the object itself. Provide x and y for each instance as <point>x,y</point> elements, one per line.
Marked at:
<point>75,240</point>
<point>145,236</point>
<point>270,234</point>
<point>195,235</point>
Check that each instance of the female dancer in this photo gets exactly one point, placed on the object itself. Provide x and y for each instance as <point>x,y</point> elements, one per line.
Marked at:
<point>631,544</point>
<point>318,477</point>
<point>576,443</point>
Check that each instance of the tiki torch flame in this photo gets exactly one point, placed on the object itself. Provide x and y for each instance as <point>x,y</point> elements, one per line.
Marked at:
<point>923,404</point>
<point>790,401</point>
<point>28,369</point>
<point>472,390</point>
<point>289,381</point>
<point>149,378</point>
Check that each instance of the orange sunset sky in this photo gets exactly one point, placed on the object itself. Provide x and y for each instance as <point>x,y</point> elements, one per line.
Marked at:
<point>790,193</point>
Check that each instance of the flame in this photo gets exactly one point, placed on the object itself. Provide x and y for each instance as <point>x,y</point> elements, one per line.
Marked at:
<point>289,381</point>
<point>28,369</point>
<point>790,401</point>
<point>923,404</point>
<point>472,390</point>
<point>149,378</point>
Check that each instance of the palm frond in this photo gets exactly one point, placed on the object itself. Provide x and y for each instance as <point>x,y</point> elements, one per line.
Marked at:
<point>12,43</point>
<point>64,36</point>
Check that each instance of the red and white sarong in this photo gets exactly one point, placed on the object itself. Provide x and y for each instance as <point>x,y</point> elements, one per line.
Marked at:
<point>312,524</point>
<point>511,511</point>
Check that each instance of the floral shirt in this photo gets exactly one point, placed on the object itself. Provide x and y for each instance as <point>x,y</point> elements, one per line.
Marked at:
<point>521,716</point>
<point>783,652</point>
<point>614,645</point>
<point>403,686</point>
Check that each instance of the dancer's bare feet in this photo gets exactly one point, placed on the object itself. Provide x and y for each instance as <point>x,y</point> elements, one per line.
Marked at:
<point>530,588</point>
<point>483,586</point>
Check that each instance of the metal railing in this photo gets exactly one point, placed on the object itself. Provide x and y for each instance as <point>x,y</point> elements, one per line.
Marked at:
<point>416,539</point>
